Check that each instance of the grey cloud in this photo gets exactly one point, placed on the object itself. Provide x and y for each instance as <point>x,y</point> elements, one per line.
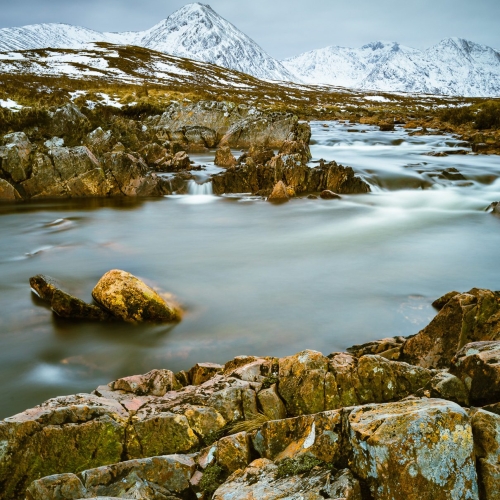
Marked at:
<point>286,28</point>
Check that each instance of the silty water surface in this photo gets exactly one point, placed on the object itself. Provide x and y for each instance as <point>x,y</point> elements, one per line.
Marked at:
<point>255,278</point>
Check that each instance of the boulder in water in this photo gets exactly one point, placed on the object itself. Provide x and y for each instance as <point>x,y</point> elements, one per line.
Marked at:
<point>224,157</point>
<point>326,194</point>
<point>279,193</point>
<point>131,300</point>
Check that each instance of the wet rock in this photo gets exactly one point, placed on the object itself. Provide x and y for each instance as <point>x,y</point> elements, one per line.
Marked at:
<point>416,449</point>
<point>279,193</point>
<point>271,403</point>
<point>224,157</point>
<point>15,157</point>
<point>329,195</point>
<point>387,348</point>
<point>261,480</point>
<point>296,147</point>
<point>149,479</point>
<point>69,123</point>
<point>386,127</point>
<point>477,365</point>
<point>67,306</point>
<point>8,192</point>
<point>44,286</point>
<point>444,385</point>
<point>130,299</point>
<point>467,317</point>
<point>201,372</point>
<point>486,430</point>
<point>302,382</point>
<point>153,154</point>
<point>66,434</point>
<point>181,161</point>
<point>258,153</point>
<point>318,436</point>
<point>233,452</point>
<point>453,174</point>
<point>154,383</point>
<point>442,301</point>
<point>200,138</point>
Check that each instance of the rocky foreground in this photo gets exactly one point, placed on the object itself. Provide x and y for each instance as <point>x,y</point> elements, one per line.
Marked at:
<point>415,418</point>
<point>63,157</point>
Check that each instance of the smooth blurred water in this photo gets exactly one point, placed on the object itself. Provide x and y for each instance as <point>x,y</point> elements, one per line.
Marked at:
<point>255,278</point>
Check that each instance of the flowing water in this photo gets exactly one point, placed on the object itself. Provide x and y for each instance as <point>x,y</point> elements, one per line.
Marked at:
<point>255,278</point>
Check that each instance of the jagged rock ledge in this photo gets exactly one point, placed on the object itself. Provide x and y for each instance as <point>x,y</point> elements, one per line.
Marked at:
<point>65,158</point>
<point>357,425</point>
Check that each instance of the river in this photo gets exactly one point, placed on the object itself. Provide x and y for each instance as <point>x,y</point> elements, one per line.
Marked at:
<point>255,278</point>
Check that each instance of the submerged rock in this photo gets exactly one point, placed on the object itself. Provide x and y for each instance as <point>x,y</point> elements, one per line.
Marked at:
<point>67,306</point>
<point>131,300</point>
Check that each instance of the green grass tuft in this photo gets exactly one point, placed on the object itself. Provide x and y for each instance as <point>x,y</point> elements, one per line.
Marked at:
<point>300,465</point>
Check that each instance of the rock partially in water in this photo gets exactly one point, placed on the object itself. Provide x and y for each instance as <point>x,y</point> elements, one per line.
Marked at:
<point>416,449</point>
<point>279,193</point>
<point>131,300</point>
<point>386,127</point>
<point>68,306</point>
<point>44,286</point>
<point>329,195</point>
<point>467,317</point>
<point>477,365</point>
<point>224,157</point>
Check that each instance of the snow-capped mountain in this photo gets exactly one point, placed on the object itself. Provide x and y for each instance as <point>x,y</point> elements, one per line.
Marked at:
<point>452,67</point>
<point>195,31</point>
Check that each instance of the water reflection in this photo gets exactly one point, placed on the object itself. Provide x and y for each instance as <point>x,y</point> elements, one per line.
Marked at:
<point>255,278</point>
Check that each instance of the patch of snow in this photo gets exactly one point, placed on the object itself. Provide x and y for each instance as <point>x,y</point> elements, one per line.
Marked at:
<point>10,104</point>
<point>376,98</point>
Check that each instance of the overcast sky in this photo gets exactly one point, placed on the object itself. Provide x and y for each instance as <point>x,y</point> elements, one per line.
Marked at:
<point>286,27</point>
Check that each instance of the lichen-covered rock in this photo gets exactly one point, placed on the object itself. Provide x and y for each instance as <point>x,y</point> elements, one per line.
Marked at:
<point>370,379</point>
<point>67,306</point>
<point>271,403</point>
<point>201,372</point>
<point>444,385</point>
<point>159,434</point>
<point>296,147</point>
<point>15,156</point>
<point>302,382</point>
<point>8,192</point>
<point>69,123</point>
<point>149,479</point>
<point>416,449</point>
<point>66,434</point>
<point>205,421</point>
<point>442,301</point>
<point>154,383</point>
<point>233,452</point>
<point>468,317</point>
<point>477,365</point>
<point>279,193</point>
<point>130,299</point>
<point>486,430</point>
<point>224,157</point>
<point>343,486</point>
<point>260,480</point>
<point>387,348</point>
<point>318,436</point>
<point>100,142</point>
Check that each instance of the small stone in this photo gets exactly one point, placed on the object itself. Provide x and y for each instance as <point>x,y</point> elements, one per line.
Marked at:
<point>329,195</point>
<point>131,300</point>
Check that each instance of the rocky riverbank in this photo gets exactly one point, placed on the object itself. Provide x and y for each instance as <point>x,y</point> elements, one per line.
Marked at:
<point>414,417</point>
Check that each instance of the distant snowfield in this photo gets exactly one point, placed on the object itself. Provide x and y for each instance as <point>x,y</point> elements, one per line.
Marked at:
<point>454,67</point>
